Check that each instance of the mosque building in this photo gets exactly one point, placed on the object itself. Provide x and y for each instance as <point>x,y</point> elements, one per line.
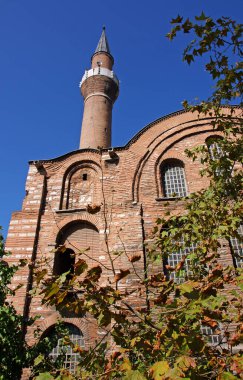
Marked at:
<point>104,198</point>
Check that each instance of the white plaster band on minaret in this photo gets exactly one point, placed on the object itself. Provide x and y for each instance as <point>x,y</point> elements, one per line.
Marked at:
<point>98,94</point>
<point>99,71</point>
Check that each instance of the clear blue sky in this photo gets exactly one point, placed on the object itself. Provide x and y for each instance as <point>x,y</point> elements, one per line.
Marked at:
<point>46,46</point>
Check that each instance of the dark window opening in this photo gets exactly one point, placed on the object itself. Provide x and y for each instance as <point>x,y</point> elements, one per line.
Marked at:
<point>85,177</point>
<point>64,262</point>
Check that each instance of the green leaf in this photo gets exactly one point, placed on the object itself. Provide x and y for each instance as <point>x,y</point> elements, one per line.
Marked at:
<point>64,377</point>
<point>228,376</point>
<point>94,273</point>
<point>44,376</point>
<point>177,20</point>
<point>202,17</point>
<point>134,375</point>
<point>39,359</point>
<point>80,267</point>
<point>54,289</point>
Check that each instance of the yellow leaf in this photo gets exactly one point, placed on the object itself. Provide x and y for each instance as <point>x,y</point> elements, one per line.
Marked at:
<point>159,369</point>
<point>126,365</point>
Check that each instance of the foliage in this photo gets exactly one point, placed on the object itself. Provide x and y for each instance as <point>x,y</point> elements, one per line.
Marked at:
<point>11,342</point>
<point>164,337</point>
<point>15,354</point>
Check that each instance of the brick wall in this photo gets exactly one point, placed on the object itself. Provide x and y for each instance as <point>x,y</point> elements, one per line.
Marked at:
<point>121,189</point>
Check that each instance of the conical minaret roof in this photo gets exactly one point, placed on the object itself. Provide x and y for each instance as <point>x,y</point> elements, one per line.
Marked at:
<point>103,45</point>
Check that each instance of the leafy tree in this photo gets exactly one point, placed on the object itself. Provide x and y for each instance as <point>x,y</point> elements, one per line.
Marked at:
<point>168,336</point>
<point>12,346</point>
<point>15,354</point>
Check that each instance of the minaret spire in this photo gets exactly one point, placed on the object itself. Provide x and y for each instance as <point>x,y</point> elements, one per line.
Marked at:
<point>103,45</point>
<point>100,89</point>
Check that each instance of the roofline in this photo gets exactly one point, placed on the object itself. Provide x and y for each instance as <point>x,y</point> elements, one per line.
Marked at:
<point>58,158</point>
<point>168,116</point>
<point>128,144</point>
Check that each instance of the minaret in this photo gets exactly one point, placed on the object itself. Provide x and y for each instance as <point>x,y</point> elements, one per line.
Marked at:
<point>100,88</point>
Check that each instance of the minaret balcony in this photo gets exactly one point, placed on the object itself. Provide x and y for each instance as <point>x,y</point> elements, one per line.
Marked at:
<point>99,71</point>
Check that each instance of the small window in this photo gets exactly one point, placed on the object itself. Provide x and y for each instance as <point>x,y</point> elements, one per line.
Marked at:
<point>174,258</point>
<point>237,248</point>
<point>215,151</point>
<point>214,148</point>
<point>85,176</point>
<point>173,179</point>
<point>213,337</point>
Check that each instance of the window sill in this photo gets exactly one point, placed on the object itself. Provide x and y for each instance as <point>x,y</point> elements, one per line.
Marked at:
<point>170,199</point>
<point>66,211</point>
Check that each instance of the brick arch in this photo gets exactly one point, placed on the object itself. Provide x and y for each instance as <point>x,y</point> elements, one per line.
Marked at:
<point>84,217</point>
<point>70,172</point>
<point>215,136</point>
<point>169,154</point>
<point>182,116</point>
<point>80,238</point>
<point>83,324</point>
<point>73,224</point>
<point>170,140</point>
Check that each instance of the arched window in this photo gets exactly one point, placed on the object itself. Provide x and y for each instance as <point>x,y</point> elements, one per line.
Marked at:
<point>237,248</point>
<point>77,237</point>
<point>173,179</point>
<point>69,357</point>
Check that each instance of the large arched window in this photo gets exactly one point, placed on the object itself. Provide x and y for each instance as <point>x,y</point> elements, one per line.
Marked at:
<point>70,357</point>
<point>173,179</point>
<point>77,237</point>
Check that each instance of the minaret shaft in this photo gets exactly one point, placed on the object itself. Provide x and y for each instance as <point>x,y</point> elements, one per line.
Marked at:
<point>99,87</point>
<point>96,124</point>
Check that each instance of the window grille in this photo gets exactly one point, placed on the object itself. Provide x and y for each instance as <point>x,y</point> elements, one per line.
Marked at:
<point>175,258</point>
<point>173,180</point>
<point>215,151</point>
<point>212,337</point>
<point>71,358</point>
<point>237,248</point>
